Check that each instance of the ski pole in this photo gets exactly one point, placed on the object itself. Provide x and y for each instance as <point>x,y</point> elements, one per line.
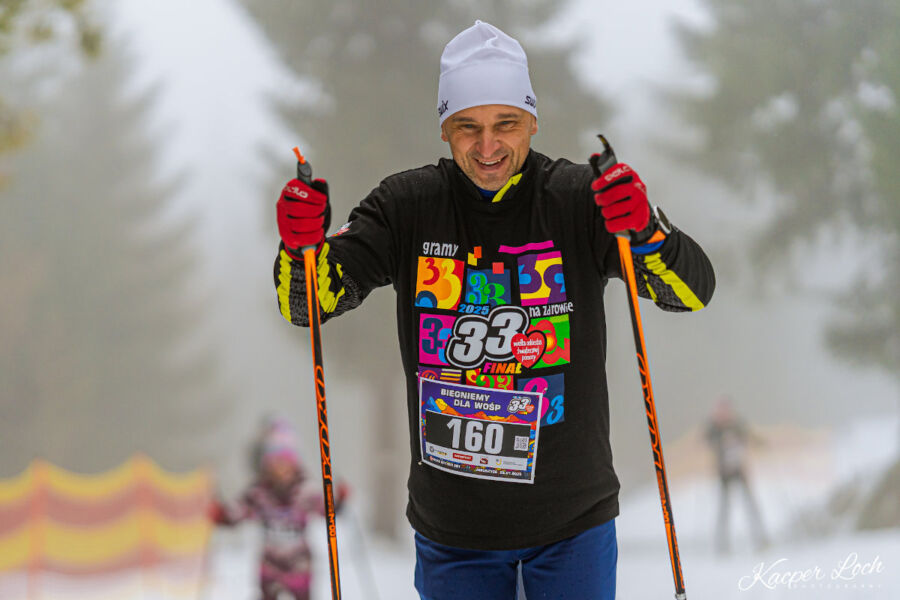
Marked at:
<point>304,174</point>
<point>600,163</point>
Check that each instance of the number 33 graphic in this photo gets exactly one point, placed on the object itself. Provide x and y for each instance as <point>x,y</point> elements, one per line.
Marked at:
<point>476,338</point>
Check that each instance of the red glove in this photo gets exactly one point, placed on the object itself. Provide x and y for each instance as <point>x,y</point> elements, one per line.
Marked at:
<point>622,198</point>
<point>303,215</point>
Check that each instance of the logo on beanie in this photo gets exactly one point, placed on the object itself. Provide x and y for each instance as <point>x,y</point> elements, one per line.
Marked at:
<point>530,101</point>
<point>442,108</point>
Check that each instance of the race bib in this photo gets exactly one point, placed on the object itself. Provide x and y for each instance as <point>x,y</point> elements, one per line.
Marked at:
<point>479,432</point>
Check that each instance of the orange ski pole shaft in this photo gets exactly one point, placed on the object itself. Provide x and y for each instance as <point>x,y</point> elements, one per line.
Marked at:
<point>304,174</point>
<point>600,163</point>
<point>650,405</point>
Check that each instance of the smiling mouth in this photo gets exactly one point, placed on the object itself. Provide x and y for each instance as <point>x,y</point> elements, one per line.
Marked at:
<point>487,164</point>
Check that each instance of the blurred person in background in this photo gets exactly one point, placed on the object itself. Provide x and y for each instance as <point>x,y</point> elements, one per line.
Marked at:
<point>282,504</point>
<point>729,437</point>
<point>499,258</point>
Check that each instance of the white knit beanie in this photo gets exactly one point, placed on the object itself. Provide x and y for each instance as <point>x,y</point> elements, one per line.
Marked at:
<point>482,65</point>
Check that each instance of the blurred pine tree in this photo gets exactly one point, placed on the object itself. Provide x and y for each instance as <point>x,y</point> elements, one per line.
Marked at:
<point>25,25</point>
<point>804,97</point>
<point>100,356</point>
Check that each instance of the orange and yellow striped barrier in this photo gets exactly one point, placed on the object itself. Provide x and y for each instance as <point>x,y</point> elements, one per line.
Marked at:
<point>136,516</point>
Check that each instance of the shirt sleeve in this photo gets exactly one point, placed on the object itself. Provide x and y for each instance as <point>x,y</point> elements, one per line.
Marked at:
<point>359,257</point>
<point>677,275</point>
<point>670,269</point>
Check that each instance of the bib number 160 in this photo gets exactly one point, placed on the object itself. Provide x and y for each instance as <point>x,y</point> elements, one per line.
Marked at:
<point>478,436</point>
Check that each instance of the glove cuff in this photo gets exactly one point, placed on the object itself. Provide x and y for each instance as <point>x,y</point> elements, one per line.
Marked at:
<point>639,238</point>
<point>658,227</point>
<point>297,253</point>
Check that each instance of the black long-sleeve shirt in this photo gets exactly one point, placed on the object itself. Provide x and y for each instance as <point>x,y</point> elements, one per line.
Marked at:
<point>506,295</point>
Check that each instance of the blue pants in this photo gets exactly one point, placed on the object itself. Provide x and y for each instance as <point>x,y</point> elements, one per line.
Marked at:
<point>582,567</point>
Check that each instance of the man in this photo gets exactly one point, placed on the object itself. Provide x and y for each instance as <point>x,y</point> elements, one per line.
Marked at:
<point>499,258</point>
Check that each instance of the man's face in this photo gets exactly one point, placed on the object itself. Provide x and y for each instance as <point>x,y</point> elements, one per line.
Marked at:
<point>490,142</point>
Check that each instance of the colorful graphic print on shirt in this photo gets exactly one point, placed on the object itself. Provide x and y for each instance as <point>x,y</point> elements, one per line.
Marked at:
<point>498,320</point>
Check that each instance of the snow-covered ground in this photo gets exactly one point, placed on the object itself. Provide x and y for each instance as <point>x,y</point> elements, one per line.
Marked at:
<point>790,481</point>
<point>832,568</point>
<point>643,570</point>
<point>364,564</point>
<point>810,555</point>
<point>792,476</point>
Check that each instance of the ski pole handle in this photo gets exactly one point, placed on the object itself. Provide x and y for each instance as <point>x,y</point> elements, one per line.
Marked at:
<point>304,174</point>
<point>304,169</point>
<point>601,163</point>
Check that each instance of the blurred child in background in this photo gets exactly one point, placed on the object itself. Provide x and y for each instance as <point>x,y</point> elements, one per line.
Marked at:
<point>280,501</point>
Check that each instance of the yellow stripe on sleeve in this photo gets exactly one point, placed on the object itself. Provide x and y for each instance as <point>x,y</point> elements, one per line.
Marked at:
<point>656,265</point>
<point>284,285</point>
<point>328,300</point>
<point>653,295</point>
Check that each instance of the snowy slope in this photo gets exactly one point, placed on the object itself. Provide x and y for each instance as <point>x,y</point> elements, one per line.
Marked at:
<point>793,476</point>
<point>792,483</point>
<point>790,479</point>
